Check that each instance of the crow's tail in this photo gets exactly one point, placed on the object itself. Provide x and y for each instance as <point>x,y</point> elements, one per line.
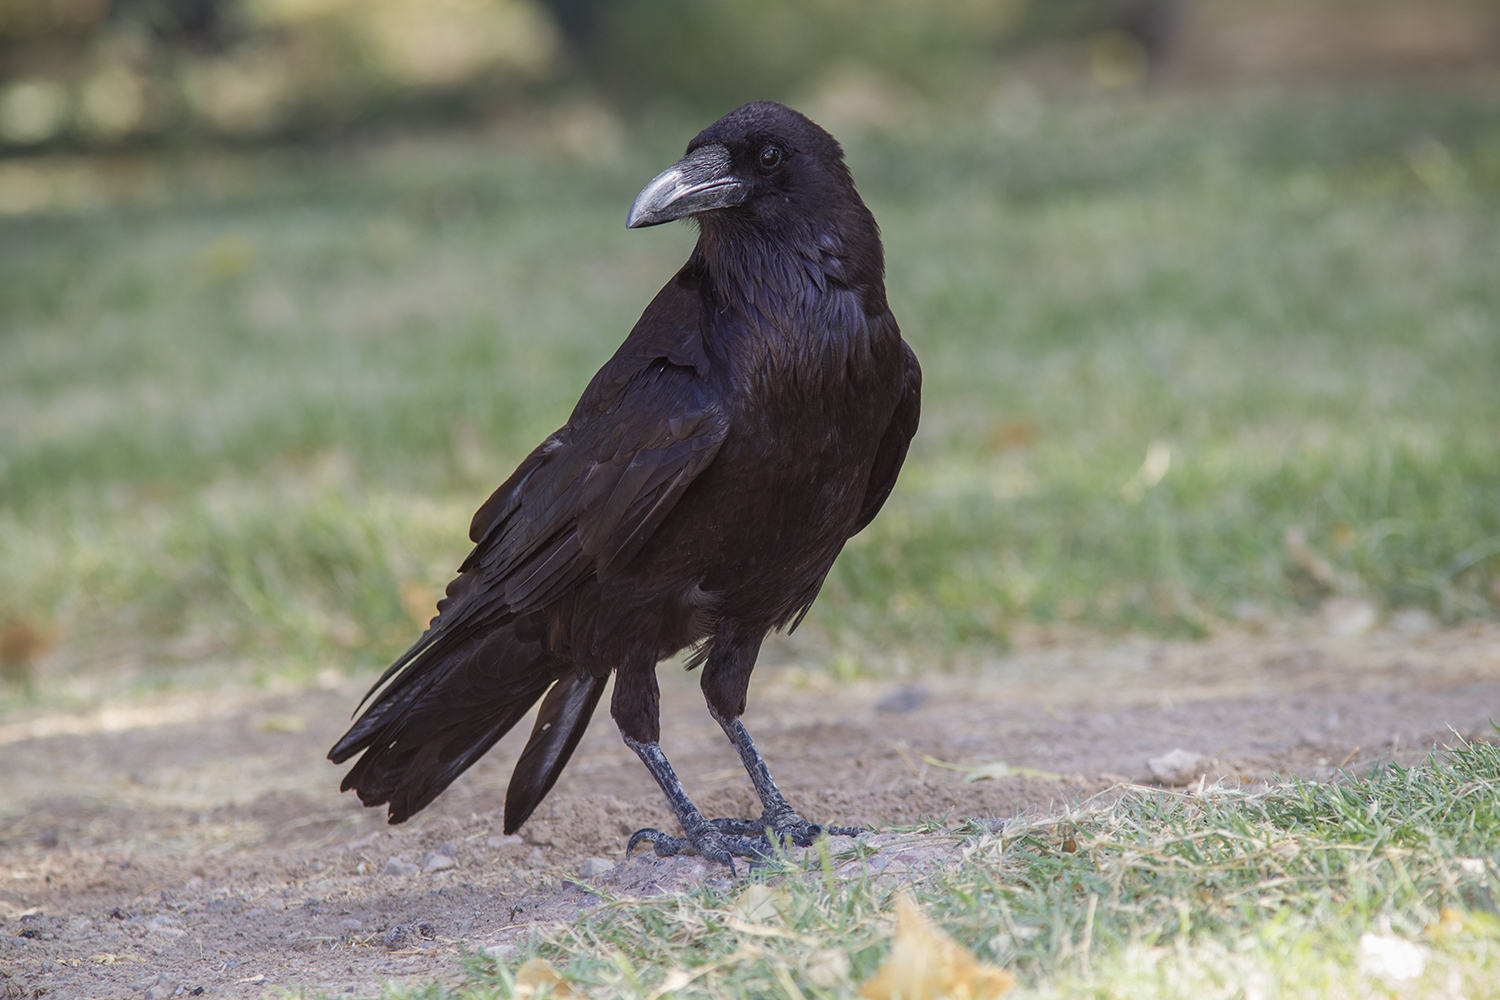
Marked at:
<point>449,705</point>
<point>560,724</point>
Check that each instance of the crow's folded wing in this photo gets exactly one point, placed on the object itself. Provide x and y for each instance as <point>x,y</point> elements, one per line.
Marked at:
<point>593,493</point>
<point>892,452</point>
<point>582,504</point>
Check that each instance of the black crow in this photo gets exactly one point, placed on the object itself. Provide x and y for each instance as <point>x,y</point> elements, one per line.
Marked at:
<point>754,419</point>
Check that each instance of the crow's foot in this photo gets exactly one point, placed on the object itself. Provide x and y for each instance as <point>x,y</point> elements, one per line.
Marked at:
<point>723,840</point>
<point>788,828</point>
<point>708,842</point>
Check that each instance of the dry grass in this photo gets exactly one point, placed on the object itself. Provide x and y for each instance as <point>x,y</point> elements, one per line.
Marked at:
<point>1300,890</point>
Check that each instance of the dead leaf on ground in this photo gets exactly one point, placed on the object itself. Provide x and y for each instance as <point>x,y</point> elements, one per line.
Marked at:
<point>760,904</point>
<point>926,964</point>
<point>999,769</point>
<point>537,978</point>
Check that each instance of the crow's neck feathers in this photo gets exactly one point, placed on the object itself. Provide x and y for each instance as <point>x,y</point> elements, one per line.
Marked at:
<point>822,279</point>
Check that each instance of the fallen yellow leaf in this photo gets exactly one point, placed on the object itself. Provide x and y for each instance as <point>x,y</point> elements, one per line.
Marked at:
<point>1000,769</point>
<point>926,964</point>
<point>761,904</point>
<point>537,978</point>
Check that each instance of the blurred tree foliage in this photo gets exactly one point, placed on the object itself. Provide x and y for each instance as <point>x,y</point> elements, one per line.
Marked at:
<point>90,73</point>
<point>715,56</point>
<point>103,72</point>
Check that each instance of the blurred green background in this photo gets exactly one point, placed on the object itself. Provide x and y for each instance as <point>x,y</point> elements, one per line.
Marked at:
<point>1207,294</point>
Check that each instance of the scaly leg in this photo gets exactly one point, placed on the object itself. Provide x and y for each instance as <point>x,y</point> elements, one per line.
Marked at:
<point>706,838</point>
<point>635,707</point>
<point>726,679</point>
<point>777,814</point>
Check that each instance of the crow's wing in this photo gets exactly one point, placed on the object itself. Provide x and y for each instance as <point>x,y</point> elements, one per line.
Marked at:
<point>584,503</point>
<point>889,457</point>
<point>892,452</point>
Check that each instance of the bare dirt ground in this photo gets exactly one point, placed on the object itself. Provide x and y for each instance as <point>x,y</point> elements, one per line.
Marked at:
<point>196,843</point>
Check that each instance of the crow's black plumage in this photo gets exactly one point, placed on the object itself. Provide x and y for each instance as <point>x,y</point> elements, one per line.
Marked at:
<point>754,419</point>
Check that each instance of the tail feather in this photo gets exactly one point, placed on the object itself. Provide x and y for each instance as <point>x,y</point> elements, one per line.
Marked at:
<point>460,625</point>
<point>560,724</point>
<point>443,713</point>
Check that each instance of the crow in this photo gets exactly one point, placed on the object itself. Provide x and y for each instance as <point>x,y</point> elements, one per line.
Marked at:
<point>754,419</point>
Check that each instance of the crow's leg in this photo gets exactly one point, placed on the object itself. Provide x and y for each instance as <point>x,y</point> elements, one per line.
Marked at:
<point>777,814</point>
<point>635,707</point>
<point>726,679</point>
<point>703,837</point>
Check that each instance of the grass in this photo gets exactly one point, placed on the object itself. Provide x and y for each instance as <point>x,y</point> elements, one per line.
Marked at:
<point>1162,895</point>
<point>1186,357</point>
<point>246,413</point>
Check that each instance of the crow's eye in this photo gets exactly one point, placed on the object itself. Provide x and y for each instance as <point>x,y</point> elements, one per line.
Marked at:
<point>770,157</point>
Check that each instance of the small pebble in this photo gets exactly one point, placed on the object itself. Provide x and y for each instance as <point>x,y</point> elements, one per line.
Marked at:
<point>498,951</point>
<point>435,862</point>
<point>535,859</point>
<point>396,866</point>
<point>1179,767</point>
<point>349,925</point>
<point>160,988</point>
<point>449,849</point>
<point>163,924</point>
<point>594,866</point>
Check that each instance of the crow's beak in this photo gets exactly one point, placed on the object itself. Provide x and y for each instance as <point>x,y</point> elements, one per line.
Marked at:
<point>699,182</point>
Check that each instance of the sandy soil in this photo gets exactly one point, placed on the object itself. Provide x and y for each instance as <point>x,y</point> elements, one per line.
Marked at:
<point>196,843</point>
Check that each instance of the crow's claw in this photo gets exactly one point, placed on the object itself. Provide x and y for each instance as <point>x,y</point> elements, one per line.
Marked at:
<point>656,837</point>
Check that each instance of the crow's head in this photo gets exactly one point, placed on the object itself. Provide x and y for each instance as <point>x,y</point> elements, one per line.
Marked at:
<point>762,167</point>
